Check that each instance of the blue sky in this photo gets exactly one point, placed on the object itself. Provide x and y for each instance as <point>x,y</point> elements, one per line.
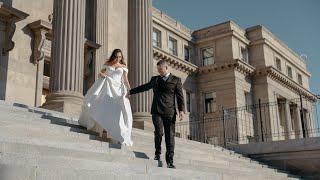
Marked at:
<point>295,22</point>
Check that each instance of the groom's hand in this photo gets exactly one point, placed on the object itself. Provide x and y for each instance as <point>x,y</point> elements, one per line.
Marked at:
<point>181,115</point>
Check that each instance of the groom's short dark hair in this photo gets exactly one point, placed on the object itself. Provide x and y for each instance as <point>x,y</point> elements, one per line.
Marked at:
<point>162,62</point>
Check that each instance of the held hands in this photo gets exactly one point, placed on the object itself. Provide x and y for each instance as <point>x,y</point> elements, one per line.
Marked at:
<point>181,115</point>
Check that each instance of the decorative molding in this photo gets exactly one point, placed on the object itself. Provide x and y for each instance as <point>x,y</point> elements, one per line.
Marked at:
<point>11,28</point>
<point>91,44</point>
<point>10,15</point>
<point>42,31</point>
<point>278,76</point>
<point>174,62</point>
<point>236,64</point>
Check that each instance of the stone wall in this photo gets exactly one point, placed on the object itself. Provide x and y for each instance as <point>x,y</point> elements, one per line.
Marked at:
<point>21,72</point>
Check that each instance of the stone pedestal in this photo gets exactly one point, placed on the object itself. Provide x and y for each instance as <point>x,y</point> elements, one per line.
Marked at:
<point>140,58</point>
<point>66,82</point>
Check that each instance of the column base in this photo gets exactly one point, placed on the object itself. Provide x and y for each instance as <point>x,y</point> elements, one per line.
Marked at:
<point>142,120</point>
<point>69,103</point>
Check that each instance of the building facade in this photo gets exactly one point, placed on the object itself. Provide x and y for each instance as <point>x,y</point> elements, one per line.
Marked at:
<point>51,52</point>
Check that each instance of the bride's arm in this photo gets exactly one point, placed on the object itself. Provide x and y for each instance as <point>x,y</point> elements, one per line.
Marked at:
<point>125,80</point>
<point>103,72</point>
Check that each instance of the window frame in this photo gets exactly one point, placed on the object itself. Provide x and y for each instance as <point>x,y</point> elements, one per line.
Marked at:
<point>276,62</point>
<point>290,75</point>
<point>158,40</point>
<point>214,107</point>
<point>202,56</point>
<point>299,78</point>
<point>246,57</point>
<point>189,53</point>
<point>174,51</point>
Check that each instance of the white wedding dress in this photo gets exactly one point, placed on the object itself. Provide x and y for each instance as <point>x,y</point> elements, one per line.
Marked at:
<point>106,106</point>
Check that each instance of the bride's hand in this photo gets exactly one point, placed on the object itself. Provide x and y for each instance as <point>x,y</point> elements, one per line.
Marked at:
<point>103,75</point>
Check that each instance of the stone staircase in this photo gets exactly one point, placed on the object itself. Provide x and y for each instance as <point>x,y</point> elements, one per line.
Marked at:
<point>39,144</point>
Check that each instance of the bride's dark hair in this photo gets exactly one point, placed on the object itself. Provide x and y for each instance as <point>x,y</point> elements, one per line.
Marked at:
<point>114,57</point>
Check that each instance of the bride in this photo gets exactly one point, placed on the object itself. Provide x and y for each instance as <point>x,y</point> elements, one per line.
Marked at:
<point>106,106</point>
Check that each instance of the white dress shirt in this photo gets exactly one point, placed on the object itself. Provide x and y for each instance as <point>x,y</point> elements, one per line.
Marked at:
<point>165,77</point>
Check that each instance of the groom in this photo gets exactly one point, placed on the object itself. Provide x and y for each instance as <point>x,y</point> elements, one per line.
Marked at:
<point>166,87</point>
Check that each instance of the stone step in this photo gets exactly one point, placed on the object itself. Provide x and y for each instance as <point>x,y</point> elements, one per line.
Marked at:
<point>196,145</point>
<point>54,131</point>
<point>64,132</point>
<point>205,158</point>
<point>72,139</point>
<point>132,168</point>
<point>36,130</point>
<point>115,156</point>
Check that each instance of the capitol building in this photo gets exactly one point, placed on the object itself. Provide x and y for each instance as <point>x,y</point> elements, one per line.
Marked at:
<point>51,52</point>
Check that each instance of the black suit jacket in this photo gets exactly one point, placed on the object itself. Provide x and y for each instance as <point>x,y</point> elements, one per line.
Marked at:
<point>164,93</point>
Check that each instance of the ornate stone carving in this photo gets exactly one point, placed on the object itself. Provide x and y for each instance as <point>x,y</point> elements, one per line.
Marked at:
<point>11,28</point>
<point>10,15</point>
<point>282,79</point>
<point>42,32</point>
<point>174,62</point>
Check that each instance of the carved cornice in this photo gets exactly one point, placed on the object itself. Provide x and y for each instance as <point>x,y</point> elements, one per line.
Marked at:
<point>91,44</point>
<point>174,62</point>
<point>10,15</point>
<point>276,75</point>
<point>236,64</point>
<point>42,31</point>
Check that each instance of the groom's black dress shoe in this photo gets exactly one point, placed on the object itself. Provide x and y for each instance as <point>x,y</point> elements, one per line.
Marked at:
<point>157,157</point>
<point>170,165</point>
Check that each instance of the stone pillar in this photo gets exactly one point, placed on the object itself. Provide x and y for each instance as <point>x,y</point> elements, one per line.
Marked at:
<point>66,82</point>
<point>41,30</point>
<point>289,130</point>
<point>140,58</point>
<point>298,124</point>
<point>101,34</point>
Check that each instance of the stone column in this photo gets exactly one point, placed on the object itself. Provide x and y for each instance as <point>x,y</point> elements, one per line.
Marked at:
<point>101,34</point>
<point>289,130</point>
<point>66,82</point>
<point>140,58</point>
<point>298,127</point>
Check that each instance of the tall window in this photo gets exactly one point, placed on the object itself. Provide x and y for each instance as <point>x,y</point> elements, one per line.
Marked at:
<point>289,71</point>
<point>210,102</point>
<point>188,96</point>
<point>248,101</point>
<point>278,64</point>
<point>244,54</point>
<point>46,68</point>
<point>300,79</point>
<point>173,46</point>
<point>156,38</point>
<point>207,56</point>
<point>186,53</point>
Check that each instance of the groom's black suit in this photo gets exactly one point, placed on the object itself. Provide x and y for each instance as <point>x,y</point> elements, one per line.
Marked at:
<point>163,109</point>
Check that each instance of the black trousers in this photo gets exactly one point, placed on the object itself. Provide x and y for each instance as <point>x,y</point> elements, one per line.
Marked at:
<point>166,122</point>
